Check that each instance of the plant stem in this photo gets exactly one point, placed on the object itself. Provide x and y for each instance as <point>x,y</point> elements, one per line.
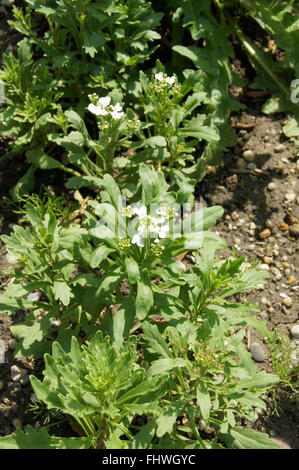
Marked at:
<point>70,170</point>
<point>255,55</point>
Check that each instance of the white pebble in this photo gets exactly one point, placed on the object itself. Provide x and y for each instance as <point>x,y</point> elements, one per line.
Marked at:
<point>257,352</point>
<point>16,373</point>
<point>290,197</point>
<point>271,186</point>
<point>248,155</point>
<point>295,331</point>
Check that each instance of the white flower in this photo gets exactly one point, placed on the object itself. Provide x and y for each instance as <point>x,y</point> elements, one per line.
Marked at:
<point>159,76</point>
<point>164,79</point>
<point>98,110</point>
<point>104,101</point>
<point>170,80</point>
<point>138,240</point>
<point>140,211</point>
<point>117,107</point>
<point>163,231</point>
<point>117,115</point>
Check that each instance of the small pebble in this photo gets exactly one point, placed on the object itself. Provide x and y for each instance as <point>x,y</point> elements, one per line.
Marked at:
<point>240,223</point>
<point>294,230</point>
<point>24,380</point>
<point>252,226</point>
<point>291,279</point>
<point>257,352</point>
<point>277,305</point>
<point>264,266</point>
<point>12,343</point>
<point>251,166</point>
<point>295,331</point>
<point>287,301</point>
<point>279,148</point>
<point>271,186</point>
<point>290,197</point>
<point>276,273</point>
<point>16,373</point>
<point>241,163</point>
<point>265,233</point>
<point>268,260</point>
<point>248,155</point>
<point>235,215</point>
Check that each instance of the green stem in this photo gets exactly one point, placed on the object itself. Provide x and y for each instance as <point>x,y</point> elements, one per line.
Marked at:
<point>69,170</point>
<point>255,55</point>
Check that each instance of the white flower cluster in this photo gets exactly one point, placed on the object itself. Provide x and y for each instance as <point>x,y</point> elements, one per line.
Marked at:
<point>103,108</point>
<point>164,80</point>
<point>149,226</point>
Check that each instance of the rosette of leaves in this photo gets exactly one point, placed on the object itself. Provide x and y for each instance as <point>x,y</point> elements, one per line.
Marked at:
<point>211,387</point>
<point>101,387</point>
<point>117,256</point>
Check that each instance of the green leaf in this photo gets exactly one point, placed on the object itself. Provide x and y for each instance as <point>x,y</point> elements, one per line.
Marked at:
<point>249,439</point>
<point>94,298</point>
<point>291,128</point>
<point>156,341</point>
<point>113,190</point>
<point>144,437</point>
<point>156,141</point>
<point>24,185</point>
<point>41,160</point>
<point>32,439</point>
<point>164,365</point>
<point>203,399</point>
<point>99,254</point>
<point>62,291</point>
<point>132,270</point>
<point>144,298</point>
<point>169,416</point>
<point>122,322</point>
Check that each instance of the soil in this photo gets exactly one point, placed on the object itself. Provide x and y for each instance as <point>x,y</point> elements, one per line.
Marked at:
<point>250,208</point>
